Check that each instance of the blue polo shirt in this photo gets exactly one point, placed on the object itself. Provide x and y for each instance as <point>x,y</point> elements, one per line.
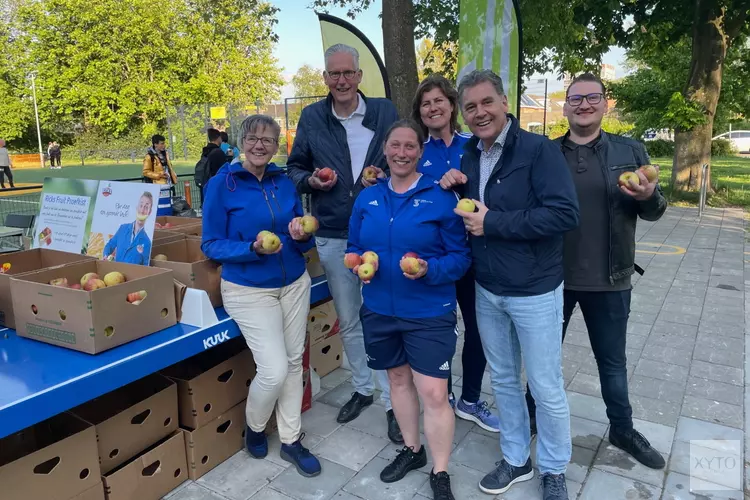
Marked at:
<point>438,157</point>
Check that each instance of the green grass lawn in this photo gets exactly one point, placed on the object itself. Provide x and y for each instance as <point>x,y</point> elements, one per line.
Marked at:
<point>96,171</point>
<point>730,179</point>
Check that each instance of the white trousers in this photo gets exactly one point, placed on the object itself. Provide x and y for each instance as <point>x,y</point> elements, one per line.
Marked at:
<point>273,322</point>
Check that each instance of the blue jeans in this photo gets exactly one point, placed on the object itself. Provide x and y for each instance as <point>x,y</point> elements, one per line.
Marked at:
<point>528,328</point>
<point>346,291</point>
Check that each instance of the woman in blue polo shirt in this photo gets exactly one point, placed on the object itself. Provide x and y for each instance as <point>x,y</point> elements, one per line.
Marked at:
<point>409,318</point>
<point>435,109</point>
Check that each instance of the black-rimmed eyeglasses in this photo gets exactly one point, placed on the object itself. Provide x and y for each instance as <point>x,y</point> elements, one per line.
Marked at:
<point>266,141</point>
<point>577,100</point>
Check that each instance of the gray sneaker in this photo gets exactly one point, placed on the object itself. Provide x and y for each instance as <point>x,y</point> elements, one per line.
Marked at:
<point>554,487</point>
<point>504,476</point>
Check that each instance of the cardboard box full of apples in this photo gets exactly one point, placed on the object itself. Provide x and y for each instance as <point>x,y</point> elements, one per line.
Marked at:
<point>92,306</point>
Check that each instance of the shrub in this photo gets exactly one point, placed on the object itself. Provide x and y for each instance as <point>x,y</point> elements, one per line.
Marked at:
<point>660,148</point>
<point>722,147</point>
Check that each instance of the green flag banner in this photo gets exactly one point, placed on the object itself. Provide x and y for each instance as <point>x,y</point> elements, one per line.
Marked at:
<point>489,37</point>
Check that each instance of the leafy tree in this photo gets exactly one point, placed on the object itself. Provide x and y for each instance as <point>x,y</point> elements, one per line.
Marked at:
<point>117,64</point>
<point>436,59</point>
<point>308,82</point>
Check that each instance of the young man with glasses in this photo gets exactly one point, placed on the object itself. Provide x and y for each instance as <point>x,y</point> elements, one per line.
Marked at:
<point>337,138</point>
<point>599,255</point>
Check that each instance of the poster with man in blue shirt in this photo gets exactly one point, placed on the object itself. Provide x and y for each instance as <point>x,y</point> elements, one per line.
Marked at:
<point>131,243</point>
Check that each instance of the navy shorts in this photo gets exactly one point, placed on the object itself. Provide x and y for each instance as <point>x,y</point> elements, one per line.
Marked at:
<point>427,345</point>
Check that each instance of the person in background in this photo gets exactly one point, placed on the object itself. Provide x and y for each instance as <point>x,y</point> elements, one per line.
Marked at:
<point>409,315</point>
<point>157,168</point>
<point>599,255</point>
<point>265,290</point>
<point>49,154</point>
<point>345,133</point>
<point>231,152</point>
<point>6,166</point>
<point>435,109</point>
<point>215,157</point>
<point>525,201</point>
<point>55,155</point>
<point>131,244</point>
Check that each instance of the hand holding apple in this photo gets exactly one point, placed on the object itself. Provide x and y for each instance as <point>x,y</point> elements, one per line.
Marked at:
<point>267,243</point>
<point>371,174</point>
<point>474,221</point>
<point>637,185</point>
<point>322,180</point>
<point>296,231</point>
<point>365,272</point>
<point>412,266</point>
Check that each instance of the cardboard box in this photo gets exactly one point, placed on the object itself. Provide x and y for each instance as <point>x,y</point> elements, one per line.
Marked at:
<point>131,418</point>
<point>190,266</point>
<point>312,262</point>
<point>95,321</point>
<point>216,441</point>
<point>152,474</point>
<point>24,262</point>
<point>326,356</point>
<point>175,222</point>
<point>195,230</point>
<point>53,460</point>
<point>93,493</point>
<point>322,322</point>
<point>212,382</point>
<point>163,236</point>
<point>307,391</point>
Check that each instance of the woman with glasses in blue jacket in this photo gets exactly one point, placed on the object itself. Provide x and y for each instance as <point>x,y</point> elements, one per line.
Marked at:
<point>265,287</point>
<point>409,314</point>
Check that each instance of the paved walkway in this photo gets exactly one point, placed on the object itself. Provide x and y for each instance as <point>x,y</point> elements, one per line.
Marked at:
<point>686,355</point>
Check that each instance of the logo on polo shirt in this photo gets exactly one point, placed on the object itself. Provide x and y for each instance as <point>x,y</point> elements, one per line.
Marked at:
<point>374,203</point>
<point>420,201</point>
<point>427,163</point>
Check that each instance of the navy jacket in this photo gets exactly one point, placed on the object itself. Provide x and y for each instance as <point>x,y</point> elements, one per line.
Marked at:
<point>321,142</point>
<point>532,201</point>
<point>424,223</point>
<point>237,207</point>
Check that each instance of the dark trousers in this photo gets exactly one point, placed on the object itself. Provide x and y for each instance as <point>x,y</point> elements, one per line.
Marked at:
<point>54,158</point>
<point>472,358</point>
<point>3,172</point>
<point>606,316</point>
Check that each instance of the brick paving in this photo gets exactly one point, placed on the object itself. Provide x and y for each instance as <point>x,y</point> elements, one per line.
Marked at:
<point>688,381</point>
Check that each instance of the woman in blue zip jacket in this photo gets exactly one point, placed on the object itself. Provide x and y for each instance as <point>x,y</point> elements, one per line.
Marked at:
<point>409,318</point>
<point>435,108</point>
<point>265,290</point>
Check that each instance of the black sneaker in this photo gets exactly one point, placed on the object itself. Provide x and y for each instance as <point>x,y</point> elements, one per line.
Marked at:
<point>638,446</point>
<point>394,431</point>
<point>554,487</point>
<point>353,407</point>
<point>504,476</point>
<point>405,461</point>
<point>441,486</point>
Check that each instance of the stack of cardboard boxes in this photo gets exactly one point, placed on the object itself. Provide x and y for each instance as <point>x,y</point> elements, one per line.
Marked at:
<point>190,267</point>
<point>212,389</point>
<point>324,343</point>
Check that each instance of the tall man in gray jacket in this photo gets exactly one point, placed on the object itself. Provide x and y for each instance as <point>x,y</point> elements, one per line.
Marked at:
<point>345,133</point>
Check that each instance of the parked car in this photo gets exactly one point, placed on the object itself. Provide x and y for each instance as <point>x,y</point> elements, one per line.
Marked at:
<point>740,139</point>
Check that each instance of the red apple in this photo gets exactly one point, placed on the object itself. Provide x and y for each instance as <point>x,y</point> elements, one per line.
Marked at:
<point>325,174</point>
<point>75,286</point>
<point>352,260</point>
<point>410,254</point>
<point>410,265</point>
<point>370,257</point>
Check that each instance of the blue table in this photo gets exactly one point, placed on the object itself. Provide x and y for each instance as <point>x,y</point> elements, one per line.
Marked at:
<point>38,380</point>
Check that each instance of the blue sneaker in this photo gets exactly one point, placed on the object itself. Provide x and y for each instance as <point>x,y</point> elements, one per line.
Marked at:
<point>305,462</point>
<point>256,443</point>
<point>479,413</point>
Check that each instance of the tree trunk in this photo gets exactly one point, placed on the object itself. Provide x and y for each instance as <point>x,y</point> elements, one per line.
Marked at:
<point>693,147</point>
<point>400,56</point>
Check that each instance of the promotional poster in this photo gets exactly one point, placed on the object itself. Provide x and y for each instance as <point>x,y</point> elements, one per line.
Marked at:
<point>104,219</point>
